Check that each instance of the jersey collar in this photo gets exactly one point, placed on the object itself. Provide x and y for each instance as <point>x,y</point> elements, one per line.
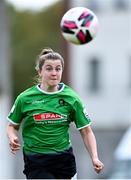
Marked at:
<point>62,85</point>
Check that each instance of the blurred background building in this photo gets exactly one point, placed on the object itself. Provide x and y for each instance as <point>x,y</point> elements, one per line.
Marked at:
<point>99,71</point>
<point>6,168</point>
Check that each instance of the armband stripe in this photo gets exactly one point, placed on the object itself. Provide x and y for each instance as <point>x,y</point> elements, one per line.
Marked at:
<point>84,126</point>
<point>12,121</point>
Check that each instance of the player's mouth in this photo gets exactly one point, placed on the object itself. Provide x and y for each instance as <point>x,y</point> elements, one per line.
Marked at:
<point>53,79</point>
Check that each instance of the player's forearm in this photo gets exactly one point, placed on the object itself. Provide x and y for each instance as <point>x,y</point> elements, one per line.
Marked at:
<point>12,130</point>
<point>90,142</point>
<point>13,138</point>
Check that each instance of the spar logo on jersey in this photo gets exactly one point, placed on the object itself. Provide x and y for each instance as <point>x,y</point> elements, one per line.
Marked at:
<point>49,118</point>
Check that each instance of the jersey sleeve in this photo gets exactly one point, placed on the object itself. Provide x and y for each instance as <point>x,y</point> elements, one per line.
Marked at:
<point>80,115</point>
<point>15,115</point>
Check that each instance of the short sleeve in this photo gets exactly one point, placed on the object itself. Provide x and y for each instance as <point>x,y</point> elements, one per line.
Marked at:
<point>80,115</point>
<point>15,115</point>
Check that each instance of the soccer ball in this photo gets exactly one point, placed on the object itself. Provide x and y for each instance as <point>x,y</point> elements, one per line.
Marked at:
<point>79,25</point>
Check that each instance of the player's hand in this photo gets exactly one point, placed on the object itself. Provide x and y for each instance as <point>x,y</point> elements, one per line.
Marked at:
<point>14,144</point>
<point>98,165</point>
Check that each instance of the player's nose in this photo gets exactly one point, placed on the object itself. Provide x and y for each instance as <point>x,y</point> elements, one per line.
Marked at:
<point>54,72</point>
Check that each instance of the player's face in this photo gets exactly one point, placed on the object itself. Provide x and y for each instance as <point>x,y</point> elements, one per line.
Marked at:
<point>51,73</point>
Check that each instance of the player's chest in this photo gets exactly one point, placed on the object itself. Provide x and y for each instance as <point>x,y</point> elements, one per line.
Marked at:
<point>43,104</point>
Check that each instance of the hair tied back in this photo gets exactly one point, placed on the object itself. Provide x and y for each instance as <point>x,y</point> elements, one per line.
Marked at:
<point>46,51</point>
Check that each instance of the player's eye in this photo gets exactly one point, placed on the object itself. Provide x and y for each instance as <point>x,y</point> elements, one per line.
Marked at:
<point>49,68</point>
<point>58,69</point>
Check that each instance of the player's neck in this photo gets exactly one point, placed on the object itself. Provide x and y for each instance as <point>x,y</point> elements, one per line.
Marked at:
<point>49,88</point>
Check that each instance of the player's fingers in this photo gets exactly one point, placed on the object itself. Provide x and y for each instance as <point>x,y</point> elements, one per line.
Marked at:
<point>99,168</point>
<point>14,143</point>
<point>13,150</point>
<point>16,140</point>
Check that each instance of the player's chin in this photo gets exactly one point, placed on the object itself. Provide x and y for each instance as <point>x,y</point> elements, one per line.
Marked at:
<point>54,82</point>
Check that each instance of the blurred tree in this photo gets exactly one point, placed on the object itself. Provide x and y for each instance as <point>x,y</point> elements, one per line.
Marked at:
<point>30,32</point>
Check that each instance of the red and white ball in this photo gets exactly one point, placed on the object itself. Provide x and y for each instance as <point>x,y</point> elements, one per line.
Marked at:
<point>79,25</point>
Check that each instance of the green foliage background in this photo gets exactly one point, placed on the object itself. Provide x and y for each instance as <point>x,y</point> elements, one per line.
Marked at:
<point>30,33</point>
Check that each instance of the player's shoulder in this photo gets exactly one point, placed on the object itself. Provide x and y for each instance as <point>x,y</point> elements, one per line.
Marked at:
<point>70,91</point>
<point>69,88</point>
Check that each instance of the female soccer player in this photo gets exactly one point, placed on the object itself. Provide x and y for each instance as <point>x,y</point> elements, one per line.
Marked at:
<point>46,111</point>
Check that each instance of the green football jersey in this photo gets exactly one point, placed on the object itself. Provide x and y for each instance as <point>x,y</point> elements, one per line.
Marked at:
<point>46,117</point>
